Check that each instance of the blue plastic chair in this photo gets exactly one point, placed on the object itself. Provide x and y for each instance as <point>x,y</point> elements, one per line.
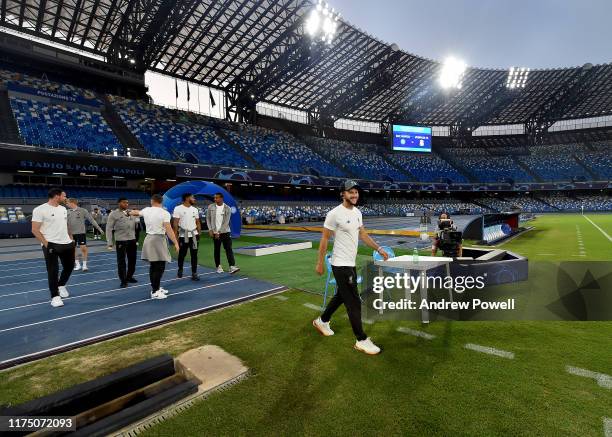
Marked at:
<point>330,280</point>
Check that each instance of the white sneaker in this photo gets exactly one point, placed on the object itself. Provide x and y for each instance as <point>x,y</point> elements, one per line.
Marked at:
<point>234,269</point>
<point>163,290</point>
<point>159,294</point>
<point>219,269</point>
<point>322,327</point>
<point>63,291</point>
<point>85,266</point>
<point>367,346</point>
<point>77,266</point>
<point>57,302</point>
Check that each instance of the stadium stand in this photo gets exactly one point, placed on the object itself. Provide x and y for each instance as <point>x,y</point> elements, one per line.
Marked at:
<point>488,168</point>
<point>12,214</point>
<point>166,136</point>
<point>426,167</point>
<point>63,127</point>
<point>280,151</point>
<point>360,159</point>
<point>556,162</point>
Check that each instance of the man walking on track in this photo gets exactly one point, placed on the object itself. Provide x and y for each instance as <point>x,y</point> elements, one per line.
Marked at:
<point>50,227</point>
<point>121,227</point>
<point>155,246</point>
<point>76,226</point>
<point>346,224</point>
<point>187,227</point>
<point>97,216</point>
<point>218,217</point>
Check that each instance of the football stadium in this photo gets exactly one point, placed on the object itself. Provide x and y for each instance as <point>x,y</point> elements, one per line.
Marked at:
<point>228,217</point>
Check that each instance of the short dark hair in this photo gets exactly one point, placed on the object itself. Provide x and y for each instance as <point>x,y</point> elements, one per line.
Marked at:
<point>121,199</point>
<point>186,196</point>
<point>157,198</point>
<point>55,191</point>
<point>219,194</point>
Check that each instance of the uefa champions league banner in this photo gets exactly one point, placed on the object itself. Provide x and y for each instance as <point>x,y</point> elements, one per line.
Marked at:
<point>52,96</point>
<point>262,176</point>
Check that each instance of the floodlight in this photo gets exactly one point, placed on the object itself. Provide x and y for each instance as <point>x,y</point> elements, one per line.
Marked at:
<point>322,23</point>
<point>452,73</point>
<point>517,77</point>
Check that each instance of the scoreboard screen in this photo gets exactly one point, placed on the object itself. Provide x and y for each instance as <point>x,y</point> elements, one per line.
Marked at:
<point>411,138</point>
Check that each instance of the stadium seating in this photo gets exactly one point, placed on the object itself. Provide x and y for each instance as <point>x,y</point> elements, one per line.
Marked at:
<point>40,191</point>
<point>11,214</point>
<point>361,160</point>
<point>489,168</point>
<point>167,137</point>
<point>427,167</point>
<point>11,77</point>
<point>555,162</point>
<point>280,151</point>
<point>64,127</point>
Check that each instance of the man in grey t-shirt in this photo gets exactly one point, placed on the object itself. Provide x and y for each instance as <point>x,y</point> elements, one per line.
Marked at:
<point>121,228</point>
<point>76,226</point>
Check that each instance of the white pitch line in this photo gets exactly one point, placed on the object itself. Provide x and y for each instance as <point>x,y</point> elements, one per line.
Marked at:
<point>117,306</point>
<point>73,285</point>
<point>86,340</point>
<point>600,230</point>
<point>489,350</point>
<point>414,332</point>
<point>133,287</point>
<point>279,297</point>
<point>40,262</point>
<point>607,427</point>
<point>602,379</point>
<point>46,279</point>
<point>312,306</point>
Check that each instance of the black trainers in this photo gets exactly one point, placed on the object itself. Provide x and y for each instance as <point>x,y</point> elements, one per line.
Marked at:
<point>123,284</point>
<point>195,277</point>
<point>179,273</point>
<point>132,281</point>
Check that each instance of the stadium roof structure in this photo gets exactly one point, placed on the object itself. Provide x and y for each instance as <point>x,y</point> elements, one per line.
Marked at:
<point>258,50</point>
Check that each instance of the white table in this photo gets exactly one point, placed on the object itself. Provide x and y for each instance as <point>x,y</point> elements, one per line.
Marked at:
<point>424,263</point>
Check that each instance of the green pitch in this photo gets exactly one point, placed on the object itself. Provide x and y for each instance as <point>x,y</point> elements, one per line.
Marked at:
<point>305,384</point>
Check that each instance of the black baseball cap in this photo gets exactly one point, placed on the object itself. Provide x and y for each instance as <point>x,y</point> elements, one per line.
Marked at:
<point>348,185</point>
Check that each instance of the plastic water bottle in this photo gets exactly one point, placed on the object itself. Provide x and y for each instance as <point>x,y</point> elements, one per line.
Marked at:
<point>415,255</point>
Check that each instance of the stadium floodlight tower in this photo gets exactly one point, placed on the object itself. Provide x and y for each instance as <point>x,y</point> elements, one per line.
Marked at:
<point>517,78</point>
<point>451,74</point>
<point>322,23</point>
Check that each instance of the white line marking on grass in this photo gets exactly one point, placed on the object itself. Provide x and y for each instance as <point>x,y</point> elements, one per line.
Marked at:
<point>600,230</point>
<point>602,379</point>
<point>425,335</point>
<point>312,306</point>
<point>489,350</point>
<point>607,427</point>
<point>279,297</point>
<point>368,321</point>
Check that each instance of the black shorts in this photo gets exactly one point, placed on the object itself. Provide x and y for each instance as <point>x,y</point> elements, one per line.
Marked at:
<point>80,239</point>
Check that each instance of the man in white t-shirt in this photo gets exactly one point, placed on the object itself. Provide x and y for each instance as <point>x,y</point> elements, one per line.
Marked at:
<point>345,223</point>
<point>187,227</point>
<point>155,246</point>
<point>50,227</point>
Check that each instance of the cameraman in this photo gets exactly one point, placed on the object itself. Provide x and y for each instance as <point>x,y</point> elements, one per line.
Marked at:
<point>445,223</point>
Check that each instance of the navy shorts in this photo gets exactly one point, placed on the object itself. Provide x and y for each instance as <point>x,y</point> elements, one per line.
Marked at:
<point>80,239</point>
